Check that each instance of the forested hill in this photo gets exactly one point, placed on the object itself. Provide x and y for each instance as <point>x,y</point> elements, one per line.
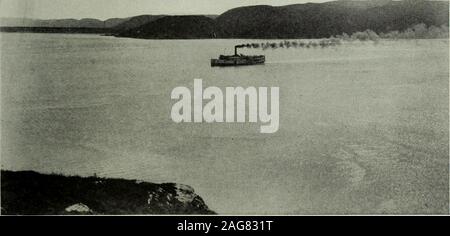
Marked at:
<point>309,20</point>
<point>316,20</point>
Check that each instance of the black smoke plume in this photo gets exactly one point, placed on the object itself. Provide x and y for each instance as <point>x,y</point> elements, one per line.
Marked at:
<point>324,43</point>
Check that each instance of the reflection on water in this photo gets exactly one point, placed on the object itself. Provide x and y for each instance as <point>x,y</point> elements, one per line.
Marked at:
<point>363,127</point>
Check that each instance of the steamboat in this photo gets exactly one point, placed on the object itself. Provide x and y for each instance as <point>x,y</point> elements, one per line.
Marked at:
<point>238,59</point>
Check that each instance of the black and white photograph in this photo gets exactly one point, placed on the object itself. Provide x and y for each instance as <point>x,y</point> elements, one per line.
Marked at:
<point>224,108</point>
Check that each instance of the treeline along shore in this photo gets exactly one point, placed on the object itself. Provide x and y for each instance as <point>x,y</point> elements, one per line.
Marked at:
<point>310,20</point>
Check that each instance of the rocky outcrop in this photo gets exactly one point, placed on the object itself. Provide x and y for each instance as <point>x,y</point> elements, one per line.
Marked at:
<point>31,193</point>
<point>78,208</point>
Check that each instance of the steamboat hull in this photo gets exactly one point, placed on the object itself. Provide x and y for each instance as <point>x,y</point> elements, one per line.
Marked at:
<point>238,60</point>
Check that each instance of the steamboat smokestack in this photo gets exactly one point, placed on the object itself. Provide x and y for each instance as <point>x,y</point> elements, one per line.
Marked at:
<point>236,47</point>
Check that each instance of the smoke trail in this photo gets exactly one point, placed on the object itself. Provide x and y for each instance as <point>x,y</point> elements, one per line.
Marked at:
<point>323,43</point>
<point>419,31</point>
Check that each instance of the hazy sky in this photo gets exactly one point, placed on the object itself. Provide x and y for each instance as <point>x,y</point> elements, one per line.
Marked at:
<point>102,9</point>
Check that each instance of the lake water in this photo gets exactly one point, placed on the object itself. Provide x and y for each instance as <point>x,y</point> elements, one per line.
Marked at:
<point>363,126</point>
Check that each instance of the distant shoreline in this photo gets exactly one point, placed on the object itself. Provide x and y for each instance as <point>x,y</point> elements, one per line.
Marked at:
<point>419,31</point>
<point>55,30</point>
<point>307,21</point>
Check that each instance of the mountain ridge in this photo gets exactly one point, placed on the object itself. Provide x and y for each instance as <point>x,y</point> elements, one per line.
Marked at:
<point>316,20</point>
<point>308,20</point>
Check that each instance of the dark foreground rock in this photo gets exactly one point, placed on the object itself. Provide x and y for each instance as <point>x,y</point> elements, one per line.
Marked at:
<point>31,193</point>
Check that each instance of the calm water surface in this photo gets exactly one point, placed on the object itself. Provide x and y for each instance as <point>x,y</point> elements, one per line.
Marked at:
<point>363,126</point>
